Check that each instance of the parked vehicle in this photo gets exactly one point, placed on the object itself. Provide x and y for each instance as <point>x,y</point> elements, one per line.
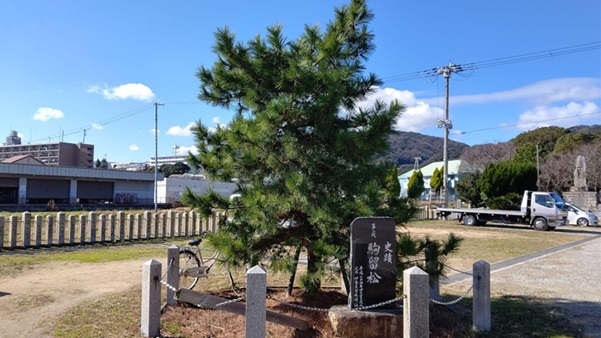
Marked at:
<point>541,210</point>
<point>579,216</point>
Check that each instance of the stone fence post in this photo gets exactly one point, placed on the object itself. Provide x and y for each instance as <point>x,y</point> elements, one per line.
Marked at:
<point>12,231</point>
<point>102,228</point>
<point>60,225</point>
<point>26,229</point>
<point>91,227</point>
<point>173,273</point>
<point>147,224</point>
<point>71,236</point>
<point>481,301</point>
<point>49,229</point>
<point>151,299</point>
<point>256,292</point>
<point>1,232</point>
<point>416,305</point>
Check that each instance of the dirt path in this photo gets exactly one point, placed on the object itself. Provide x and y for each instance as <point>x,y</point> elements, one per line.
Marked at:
<point>31,301</point>
<point>568,279</point>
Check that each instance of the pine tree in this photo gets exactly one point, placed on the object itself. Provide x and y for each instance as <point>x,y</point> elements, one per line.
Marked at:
<point>300,146</point>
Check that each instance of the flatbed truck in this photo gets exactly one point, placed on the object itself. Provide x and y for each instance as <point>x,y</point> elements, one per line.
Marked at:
<point>541,210</point>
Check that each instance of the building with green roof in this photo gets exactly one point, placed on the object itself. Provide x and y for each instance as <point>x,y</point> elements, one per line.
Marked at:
<point>456,169</point>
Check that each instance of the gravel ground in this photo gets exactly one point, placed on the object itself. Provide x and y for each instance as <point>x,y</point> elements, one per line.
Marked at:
<point>570,278</point>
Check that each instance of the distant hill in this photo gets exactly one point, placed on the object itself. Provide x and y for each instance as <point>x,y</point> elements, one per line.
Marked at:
<point>593,129</point>
<point>406,146</point>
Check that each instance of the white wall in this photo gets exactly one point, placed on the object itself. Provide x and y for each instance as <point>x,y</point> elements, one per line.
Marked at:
<point>170,189</point>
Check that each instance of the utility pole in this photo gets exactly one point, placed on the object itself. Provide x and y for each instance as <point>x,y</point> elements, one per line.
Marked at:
<point>156,152</point>
<point>446,124</point>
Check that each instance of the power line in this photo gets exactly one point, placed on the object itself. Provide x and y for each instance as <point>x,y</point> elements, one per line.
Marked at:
<point>431,74</point>
<point>98,124</point>
<point>527,123</point>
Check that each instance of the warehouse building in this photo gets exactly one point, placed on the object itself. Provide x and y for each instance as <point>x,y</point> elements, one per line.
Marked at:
<point>27,182</point>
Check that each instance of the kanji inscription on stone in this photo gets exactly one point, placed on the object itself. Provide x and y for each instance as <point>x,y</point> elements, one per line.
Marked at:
<point>373,262</point>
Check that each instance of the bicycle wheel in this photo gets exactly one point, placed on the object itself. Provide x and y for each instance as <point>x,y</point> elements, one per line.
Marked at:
<point>187,259</point>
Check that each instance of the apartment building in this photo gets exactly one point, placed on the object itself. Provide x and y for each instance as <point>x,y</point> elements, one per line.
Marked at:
<point>55,154</point>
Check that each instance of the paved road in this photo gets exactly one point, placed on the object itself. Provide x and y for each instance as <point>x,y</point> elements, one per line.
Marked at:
<point>568,275</point>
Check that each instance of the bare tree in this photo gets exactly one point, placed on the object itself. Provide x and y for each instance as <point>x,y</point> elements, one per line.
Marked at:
<point>479,156</point>
<point>557,170</point>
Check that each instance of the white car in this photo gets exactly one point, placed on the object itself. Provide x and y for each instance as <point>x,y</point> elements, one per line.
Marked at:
<point>579,216</point>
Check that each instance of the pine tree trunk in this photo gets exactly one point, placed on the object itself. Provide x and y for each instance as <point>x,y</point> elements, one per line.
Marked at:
<point>345,276</point>
<point>312,269</point>
<point>293,272</point>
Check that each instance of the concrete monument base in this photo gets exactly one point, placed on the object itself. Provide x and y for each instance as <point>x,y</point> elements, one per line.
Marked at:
<point>366,324</point>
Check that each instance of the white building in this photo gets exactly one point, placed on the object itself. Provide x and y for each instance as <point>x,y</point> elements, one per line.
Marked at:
<point>170,189</point>
<point>456,169</point>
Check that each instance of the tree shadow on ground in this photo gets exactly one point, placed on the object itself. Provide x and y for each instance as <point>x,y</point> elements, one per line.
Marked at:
<point>526,316</point>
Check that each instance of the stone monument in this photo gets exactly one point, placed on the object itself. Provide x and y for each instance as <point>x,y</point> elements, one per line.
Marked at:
<point>373,262</point>
<point>579,193</point>
<point>580,175</point>
<point>372,281</point>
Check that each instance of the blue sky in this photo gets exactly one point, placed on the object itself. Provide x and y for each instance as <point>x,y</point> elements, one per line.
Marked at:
<point>66,66</point>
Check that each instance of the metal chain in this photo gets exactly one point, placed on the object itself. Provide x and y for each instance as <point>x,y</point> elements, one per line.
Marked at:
<point>300,306</point>
<point>457,270</point>
<point>228,302</point>
<point>169,286</point>
<point>168,268</point>
<point>453,301</point>
<point>367,307</point>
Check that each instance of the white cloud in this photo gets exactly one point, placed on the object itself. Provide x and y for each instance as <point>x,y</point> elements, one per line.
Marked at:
<point>568,115</point>
<point>44,114</point>
<point>94,89</point>
<point>134,147</point>
<point>539,93</point>
<point>418,114</point>
<point>179,131</point>
<point>216,120</point>
<point>96,126</point>
<point>153,131</point>
<point>134,91</point>
<point>184,150</point>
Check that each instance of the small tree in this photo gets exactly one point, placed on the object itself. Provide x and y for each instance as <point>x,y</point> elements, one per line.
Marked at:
<point>504,181</point>
<point>437,180</point>
<point>393,186</point>
<point>467,189</point>
<point>104,164</point>
<point>415,186</point>
<point>177,168</point>
<point>428,254</point>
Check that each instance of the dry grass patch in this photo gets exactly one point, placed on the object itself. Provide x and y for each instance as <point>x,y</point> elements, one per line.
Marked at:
<point>491,243</point>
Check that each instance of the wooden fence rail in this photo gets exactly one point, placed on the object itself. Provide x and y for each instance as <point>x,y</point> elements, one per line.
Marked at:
<point>29,230</point>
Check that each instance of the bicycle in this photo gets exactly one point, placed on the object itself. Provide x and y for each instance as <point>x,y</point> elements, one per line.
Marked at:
<point>192,265</point>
